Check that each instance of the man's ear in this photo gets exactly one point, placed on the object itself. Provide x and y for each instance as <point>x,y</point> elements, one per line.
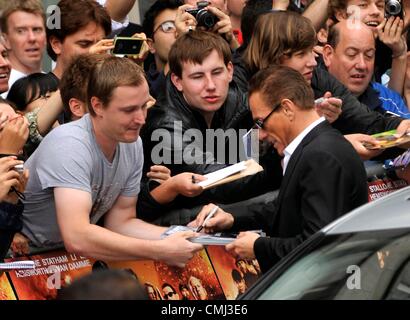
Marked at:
<point>177,81</point>
<point>56,45</point>
<point>150,44</point>
<point>97,106</point>
<point>229,66</point>
<point>327,55</point>
<point>288,108</point>
<point>6,41</point>
<point>77,107</point>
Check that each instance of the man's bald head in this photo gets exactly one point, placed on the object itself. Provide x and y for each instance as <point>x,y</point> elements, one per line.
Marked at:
<point>350,53</point>
<point>348,29</point>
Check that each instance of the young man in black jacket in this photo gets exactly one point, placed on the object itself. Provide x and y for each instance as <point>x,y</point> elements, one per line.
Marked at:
<point>202,98</point>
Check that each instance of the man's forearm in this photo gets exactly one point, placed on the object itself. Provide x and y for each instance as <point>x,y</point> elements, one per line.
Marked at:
<point>100,243</point>
<point>317,13</point>
<point>136,228</point>
<point>119,9</point>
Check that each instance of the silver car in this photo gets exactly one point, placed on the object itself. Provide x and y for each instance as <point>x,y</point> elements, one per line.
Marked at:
<point>363,255</point>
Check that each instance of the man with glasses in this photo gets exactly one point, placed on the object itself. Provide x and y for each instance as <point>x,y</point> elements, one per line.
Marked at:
<point>169,293</point>
<point>324,177</point>
<point>159,27</point>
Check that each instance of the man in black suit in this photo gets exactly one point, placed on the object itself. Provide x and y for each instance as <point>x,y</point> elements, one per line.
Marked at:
<point>324,177</point>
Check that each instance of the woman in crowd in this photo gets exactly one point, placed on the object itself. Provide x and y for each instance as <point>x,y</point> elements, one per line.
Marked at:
<point>36,96</point>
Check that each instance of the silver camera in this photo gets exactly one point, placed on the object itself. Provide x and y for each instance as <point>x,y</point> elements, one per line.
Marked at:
<point>393,8</point>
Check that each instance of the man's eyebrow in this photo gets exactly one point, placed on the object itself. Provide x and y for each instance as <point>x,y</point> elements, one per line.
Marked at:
<point>196,73</point>
<point>352,48</point>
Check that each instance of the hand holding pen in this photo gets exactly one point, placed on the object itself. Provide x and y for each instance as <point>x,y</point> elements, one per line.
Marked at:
<point>209,216</point>
<point>212,218</point>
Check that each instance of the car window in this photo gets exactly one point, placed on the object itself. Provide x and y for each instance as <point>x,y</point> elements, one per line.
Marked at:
<point>400,290</point>
<point>361,265</point>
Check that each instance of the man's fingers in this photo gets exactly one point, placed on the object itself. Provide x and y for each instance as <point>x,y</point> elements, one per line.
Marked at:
<point>157,175</point>
<point>158,168</point>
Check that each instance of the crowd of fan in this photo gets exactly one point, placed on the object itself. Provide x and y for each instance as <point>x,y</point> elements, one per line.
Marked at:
<point>87,132</point>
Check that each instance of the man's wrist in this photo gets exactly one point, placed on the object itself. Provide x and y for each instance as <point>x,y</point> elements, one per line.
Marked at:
<point>402,53</point>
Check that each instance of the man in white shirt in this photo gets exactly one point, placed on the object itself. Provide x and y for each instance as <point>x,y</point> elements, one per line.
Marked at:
<point>23,27</point>
<point>324,177</point>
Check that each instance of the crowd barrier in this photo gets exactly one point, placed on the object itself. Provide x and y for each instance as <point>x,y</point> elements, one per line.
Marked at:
<point>212,266</point>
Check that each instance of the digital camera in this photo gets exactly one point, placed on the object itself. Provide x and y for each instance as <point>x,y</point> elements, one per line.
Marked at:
<point>203,17</point>
<point>393,8</point>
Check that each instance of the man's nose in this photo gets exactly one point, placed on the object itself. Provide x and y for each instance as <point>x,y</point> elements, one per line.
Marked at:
<point>31,36</point>
<point>262,135</point>
<point>360,63</point>
<point>373,9</point>
<point>140,116</point>
<point>210,83</point>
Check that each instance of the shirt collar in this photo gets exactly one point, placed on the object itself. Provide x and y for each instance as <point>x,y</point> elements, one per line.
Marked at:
<point>290,149</point>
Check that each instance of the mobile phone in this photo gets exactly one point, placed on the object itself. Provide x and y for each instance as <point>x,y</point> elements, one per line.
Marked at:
<point>127,46</point>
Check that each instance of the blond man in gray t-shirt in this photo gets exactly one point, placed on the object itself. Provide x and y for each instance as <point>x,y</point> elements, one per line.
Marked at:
<point>91,168</point>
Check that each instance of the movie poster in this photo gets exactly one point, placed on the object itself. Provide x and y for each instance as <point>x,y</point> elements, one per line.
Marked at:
<point>382,187</point>
<point>53,271</point>
<point>145,272</point>
<point>6,291</point>
<point>212,274</point>
<point>197,281</point>
<point>235,276</point>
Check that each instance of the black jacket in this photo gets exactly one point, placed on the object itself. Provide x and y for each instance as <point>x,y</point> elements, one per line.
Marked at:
<point>10,223</point>
<point>324,179</point>
<point>172,109</point>
<point>234,115</point>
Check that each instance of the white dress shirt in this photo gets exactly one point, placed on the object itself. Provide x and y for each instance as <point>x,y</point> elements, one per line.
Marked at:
<point>290,149</point>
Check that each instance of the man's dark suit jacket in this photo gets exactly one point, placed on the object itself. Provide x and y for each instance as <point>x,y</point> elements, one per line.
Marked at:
<point>324,179</point>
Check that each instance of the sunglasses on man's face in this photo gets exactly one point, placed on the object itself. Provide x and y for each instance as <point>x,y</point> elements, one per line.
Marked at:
<point>258,124</point>
<point>168,295</point>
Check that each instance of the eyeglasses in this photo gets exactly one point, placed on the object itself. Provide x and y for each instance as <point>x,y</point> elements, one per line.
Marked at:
<point>167,27</point>
<point>258,124</point>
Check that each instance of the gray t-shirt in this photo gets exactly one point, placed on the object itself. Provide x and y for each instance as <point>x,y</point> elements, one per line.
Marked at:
<point>69,157</point>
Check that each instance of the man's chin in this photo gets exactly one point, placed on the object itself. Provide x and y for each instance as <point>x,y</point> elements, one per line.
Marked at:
<point>131,136</point>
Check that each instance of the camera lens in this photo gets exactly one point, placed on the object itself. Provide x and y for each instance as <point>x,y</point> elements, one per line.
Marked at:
<point>393,7</point>
<point>205,19</point>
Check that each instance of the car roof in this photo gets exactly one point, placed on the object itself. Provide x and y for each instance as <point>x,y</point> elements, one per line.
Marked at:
<point>389,212</point>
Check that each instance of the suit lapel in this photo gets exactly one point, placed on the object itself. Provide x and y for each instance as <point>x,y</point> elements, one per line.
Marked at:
<point>294,159</point>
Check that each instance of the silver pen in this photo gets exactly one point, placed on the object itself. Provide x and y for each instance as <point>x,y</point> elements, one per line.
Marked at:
<point>209,216</point>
